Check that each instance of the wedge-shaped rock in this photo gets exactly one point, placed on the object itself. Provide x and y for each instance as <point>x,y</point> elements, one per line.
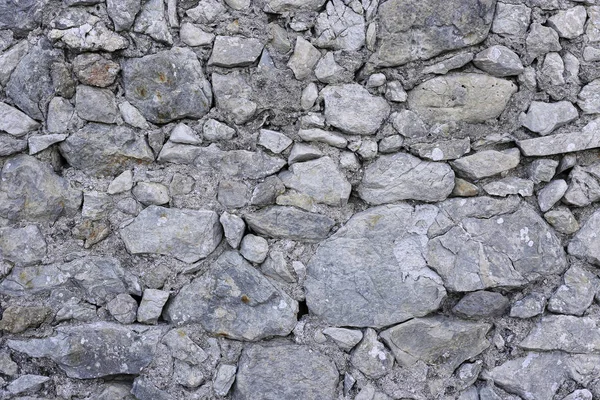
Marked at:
<point>95,350</point>
<point>372,271</point>
<point>100,149</point>
<point>168,85</point>
<point>419,30</point>
<point>588,138</point>
<point>282,222</point>
<point>284,371</point>
<point>15,122</point>
<point>188,235</point>
<point>544,118</point>
<point>235,51</point>
<point>576,293</point>
<point>436,340</point>
<point>401,176</point>
<point>586,243</point>
<point>31,191</point>
<point>340,28</point>
<point>466,97</point>
<point>565,333</point>
<point>234,300</point>
<point>584,185</point>
<point>22,246</point>
<point>486,163</point>
<point>281,6</point>
<point>320,179</point>
<point>504,248</point>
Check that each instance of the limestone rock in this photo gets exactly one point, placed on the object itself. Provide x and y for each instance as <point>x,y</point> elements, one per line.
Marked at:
<point>152,22</point>
<point>511,19</point>
<point>371,357</point>
<point>551,194</point>
<point>188,235</point>
<point>319,135</point>
<point>22,246</point>
<point>346,339</point>
<point>21,16</point>
<point>96,105</point>
<point>569,23</point>
<point>375,263</point>
<point>542,170</point>
<point>95,70</point>
<point>499,61</point>
<point>254,248</point>
<point>481,304</point>
<point>91,35</point>
<point>151,305</point>
<point>123,12</point>
<point>564,332</point>
<point>507,186</point>
<point>589,100</point>
<point>586,244</point>
<point>26,383</point>
<point>234,300</point>
<point>233,228</point>
<point>562,220</point>
<point>340,28</point>
<point>14,122</point>
<point>283,222</point>
<point>588,138</point>
<point>273,141</point>
<point>543,118</point>
<point>17,319</point>
<point>233,95</point>
<point>40,143</point>
<point>454,62</point>
<point>123,308</point>
<point>151,193</point>
<point>541,40</point>
<point>192,35</point>
<point>576,293</point>
<point>486,163</point>
<point>235,51</point>
<point>442,150</point>
<point>529,306</point>
<point>584,186</point>
<point>224,379</point>
<point>304,59</point>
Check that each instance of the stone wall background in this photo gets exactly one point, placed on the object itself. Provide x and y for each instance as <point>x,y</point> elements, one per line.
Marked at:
<point>299,199</point>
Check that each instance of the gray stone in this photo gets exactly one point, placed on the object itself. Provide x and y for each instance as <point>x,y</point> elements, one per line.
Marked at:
<point>123,12</point>
<point>511,19</point>
<point>152,22</point>
<point>552,71</point>
<point>281,6</point>
<point>273,141</point>
<point>550,194</point>
<point>281,222</point>
<point>511,185</point>
<point>543,118</point>
<point>20,16</point>
<point>395,92</point>
<point>254,248</point>
<point>371,357</point>
<point>436,340</point>
<point>90,35</point>
<point>320,179</point>
<point>26,383</point>
<point>565,333</point>
<point>214,130</point>
<point>542,170</point>
<point>144,389</point>
<point>588,138</point>
<point>584,185</point>
<point>234,300</point>
<point>529,306</point>
<point>463,188</point>
<point>589,100</point>
<point>569,23</point>
<point>495,243</point>
<point>592,31</point>
<point>576,293</point>
<point>276,267</point>
<point>22,246</point>
<point>392,144</point>
<point>309,96</point>
<point>338,27</point>
<point>235,51</point>
<point>189,376</point>
<point>184,134</point>
<point>152,305</point>
<point>320,135</point>
<point>328,70</point>
<point>233,228</point>
<point>541,40</point>
<point>304,59</point>
<point>95,70</point>
<point>454,62</point>
<point>352,109</point>
<point>585,244</point>
<point>486,163</point>
<point>10,59</point>
<point>188,235</point>
<point>61,116</point>
<point>232,194</point>
<point>591,54</point>
<point>303,152</point>
<point>193,35</point>
<point>151,193</point>
<point>442,150</point>
<point>401,176</point>
<point>94,350</point>
<point>406,33</point>
<point>123,308</point>
<point>7,365</point>
<point>31,191</point>
<point>376,80</point>
<point>167,85</point>
<point>224,378</point>
<point>100,149</point>
<point>96,105</point>
<point>499,60</point>
<point>409,124</point>
<point>17,319</point>
<point>183,348</point>
<point>367,149</point>
<point>39,143</point>
<point>233,95</point>
<point>368,262</point>
<point>346,339</point>
<point>284,371</point>
<point>467,97</point>
<point>481,304</point>
<point>206,12</point>
<point>562,220</point>
<point>581,394</point>
<point>122,183</point>
<point>14,122</point>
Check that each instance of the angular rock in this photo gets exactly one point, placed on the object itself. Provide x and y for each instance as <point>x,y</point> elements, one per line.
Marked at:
<point>233,95</point>
<point>215,130</point>
<point>144,389</point>
<point>564,332</point>
<point>26,383</point>
<point>233,228</point>
<point>409,124</point>
<point>121,183</point>
<point>543,118</point>
<point>304,59</point>
<point>584,185</point>
<point>273,141</point>
<point>184,134</point>
<point>123,12</point>
<point>562,220</point>
<point>235,51</point>
<point>17,319</point>
<point>395,92</point>
<point>100,149</point>
<point>441,150</point>
<point>14,122</point>
<point>586,244</point>
<point>188,235</point>
<point>96,105</point>
<point>346,339</point>
<point>303,152</point>
<point>61,116</point>
<point>183,348</point>
<point>511,19</point>
<point>406,31</point>
<point>582,394</point>
<point>31,191</point>
<point>454,62</point>
<point>152,22</point>
<point>282,222</point>
<point>340,28</point>
<point>481,304</point>
<point>39,143</point>
<point>436,340</point>
<point>551,194</point>
<point>486,163</point>
<point>375,264</point>
<point>10,59</point>
<point>319,135</point>
<point>192,35</point>
<point>123,308</point>
<point>151,305</point>
<point>401,176</point>
<point>529,306</point>
<point>91,35</point>
<point>151,193</point>
<point>588,138</point>
<point>167,85</point>
<point>392,144</point>
<point>542,170</point>
<point>499,61</point>
<point>541,40</point>
<point>224,379</point>
<point>371,357</point>
<point>284,371</point>
<point>569,23</point>
<point>22,246</point>
<point>234,300</point>
<point>232,194</point>
<point>320,179</point>
<point>589,100</point>
<point>329,71</point>
<point>507,186</point>
<point>576,293</point>
<point>94,350</point>
<point>95,70</point>
<point>21,16</point>
<point>466,97</point>
<point>352,109</point>
<point>254,248</point>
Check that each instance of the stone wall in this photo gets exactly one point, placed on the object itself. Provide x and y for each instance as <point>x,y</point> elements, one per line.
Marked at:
<point>299,199</point>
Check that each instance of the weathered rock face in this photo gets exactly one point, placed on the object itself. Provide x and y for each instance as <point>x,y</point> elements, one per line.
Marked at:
<point>234,300</point>
<point>167,85</point>
<point>372,271</point>
<point>290,223</point>
<point>564,332</point>
<point>417,30</point>
<point>284,371</point>
<point>585,244</point>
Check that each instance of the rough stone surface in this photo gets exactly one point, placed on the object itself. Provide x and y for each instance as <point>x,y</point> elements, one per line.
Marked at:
<point>486,163</point>
<point>481,304</point>
<point>563,332</point>
<point>289,223</point>
<point>576,293</point>
<point>543,118</point>
<point>499,61</point>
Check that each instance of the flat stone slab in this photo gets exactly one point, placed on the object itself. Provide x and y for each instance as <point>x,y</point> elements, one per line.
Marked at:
<point>564,332</point>
<point>588,138</point>
<point>284,222</point>
<point>586,243</point>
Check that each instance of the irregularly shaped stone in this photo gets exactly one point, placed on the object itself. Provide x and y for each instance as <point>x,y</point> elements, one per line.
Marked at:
<point>319,135</point>
<point>232,194</point>
<point>392,144</point>
<point>10,59</point>
<point>569,23</point>
<point>121,183</point>
<point>303,152</point>
<point>100,149</point>
<point>499,60</point>
<point>304,59</point>
<point>93,350</point>
<point>463,188</point>
<point>406,33</point>
<point>233,228</point>
<point>254,248</point>
<point>584,185</point>
<point>564,332</point>
<point>224,378</point>
<point>215,130</point>
<point>409,124</point>
<point>151,305</point>
<point>529,306</point>
<point>14,122</point>
<point>395,92</point>
<point>454,62</point>
<point>363,264</point>
<point>17,319</point>
<point>346,339</point>
<point>507,186</point>
<point>552,71</point>
<point>151,193</point>
<point>183,348</point>
<point>193,35</point>
<point>234,300</point>
<point>371,357</point>
<point>90,35</point>
<point>581,394</point>
<point>167,85</point>
<point>588,138</point>
<point>284,371</point>
<point>467,97</point>
<point>188,235</point>
<point>562,220</point>
<point>40,143</point>
<point>576,293</point>
<point>511,19</point>
<point>233,95</point>
<point>123,308</point>
<point>543,118</point>
<point>441,150</point>
<point>97,105</point>
<point>123,12</point>
<point>144,389</point>
<point>436,340</point>
<point>486,163</point>
<point>95,70</point>
<point>61,116</point>
<point>401,176</point>
<point>541,40</point>
<point>189,376</point>
<point>340,28</point>
<point>542,170</point>
<point>353,110</point>
<point>550,194</point>
<point>26,383</point>
<point>282,222</point>
<point>273,141</point>
<point>31,191</point>
<point>184,134</point>
<point>586,244</point>
<point>481,304</point>
<point>22,246</point>
<point>7,365</point>
<point>152,22</point>
<point>589,100</point>
<point>235,51</point>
